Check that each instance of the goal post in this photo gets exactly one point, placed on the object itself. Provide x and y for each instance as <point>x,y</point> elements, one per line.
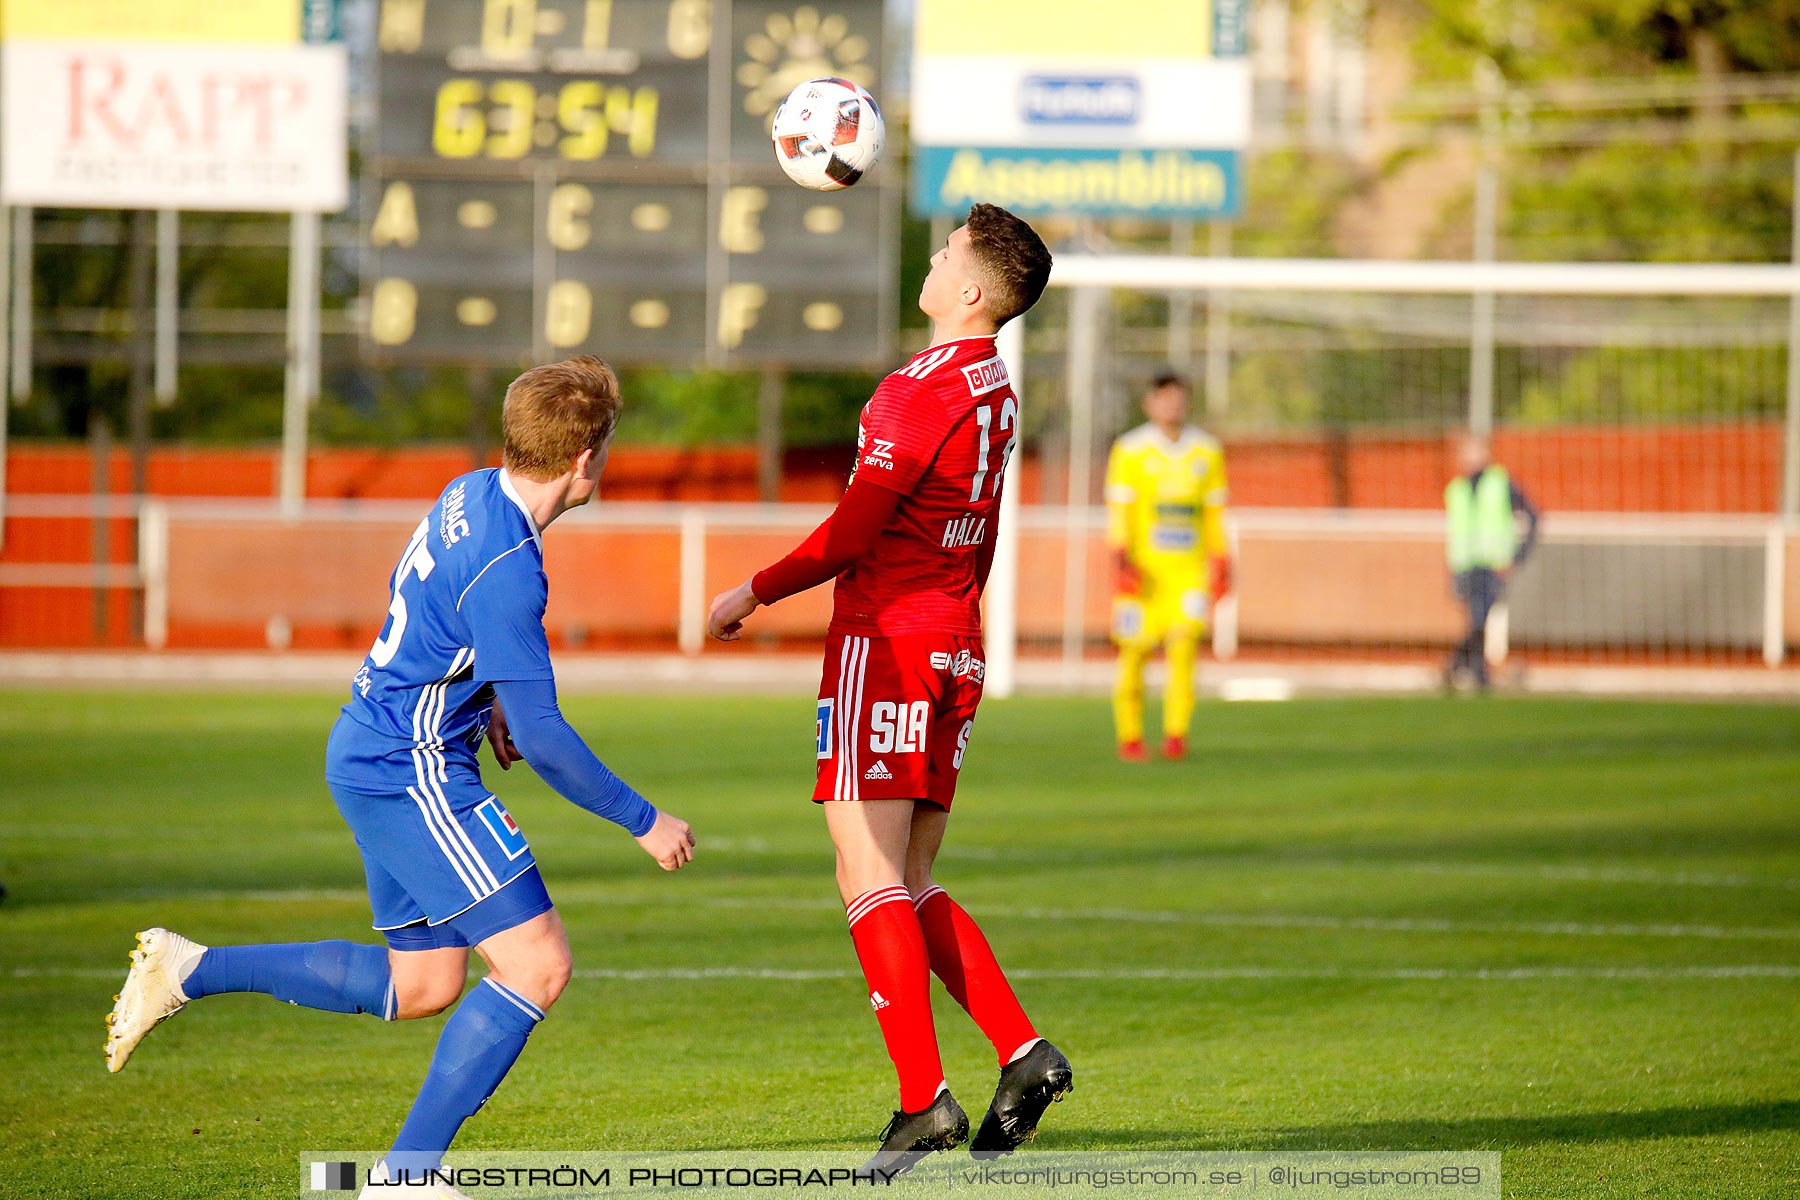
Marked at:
<point>1627,284</point>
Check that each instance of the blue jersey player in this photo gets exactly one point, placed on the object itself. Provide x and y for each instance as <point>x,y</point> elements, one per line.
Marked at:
<point>462,653</point>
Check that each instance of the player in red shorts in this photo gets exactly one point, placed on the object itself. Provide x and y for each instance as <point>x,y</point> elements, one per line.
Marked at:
<point>910,545</point>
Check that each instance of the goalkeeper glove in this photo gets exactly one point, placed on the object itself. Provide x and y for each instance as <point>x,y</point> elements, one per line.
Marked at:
<point>1219,578</point>
<point>1127,580</point>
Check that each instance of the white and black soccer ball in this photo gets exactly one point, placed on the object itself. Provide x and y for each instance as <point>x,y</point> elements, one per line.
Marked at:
<point>828,133</point>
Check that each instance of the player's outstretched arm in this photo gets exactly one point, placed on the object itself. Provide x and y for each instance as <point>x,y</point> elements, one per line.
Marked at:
<point>842,538</point>
<point>543,738</point>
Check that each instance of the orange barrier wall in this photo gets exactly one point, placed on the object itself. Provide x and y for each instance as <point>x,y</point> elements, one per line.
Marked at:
<point>324,585</point>
<point>1677,468</point>
<point>1726,468</point>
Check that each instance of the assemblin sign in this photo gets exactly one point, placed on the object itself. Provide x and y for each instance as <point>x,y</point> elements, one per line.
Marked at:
<point>1079,180</point>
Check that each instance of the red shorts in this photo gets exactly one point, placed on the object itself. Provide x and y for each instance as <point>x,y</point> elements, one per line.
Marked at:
<point>895,715</point>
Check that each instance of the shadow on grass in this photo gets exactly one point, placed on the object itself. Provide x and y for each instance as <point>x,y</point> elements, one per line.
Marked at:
<point>1469,1133</point>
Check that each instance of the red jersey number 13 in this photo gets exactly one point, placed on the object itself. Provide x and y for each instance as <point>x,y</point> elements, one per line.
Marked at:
<point>1009,421</point>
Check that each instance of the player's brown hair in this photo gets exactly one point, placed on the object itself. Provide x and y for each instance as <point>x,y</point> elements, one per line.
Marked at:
<point>1013,261</point>
<point>556,411</point>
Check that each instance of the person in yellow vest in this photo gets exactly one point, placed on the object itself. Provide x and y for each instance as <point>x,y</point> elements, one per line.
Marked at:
<point>1482,511</point>
<point>1165,509</point>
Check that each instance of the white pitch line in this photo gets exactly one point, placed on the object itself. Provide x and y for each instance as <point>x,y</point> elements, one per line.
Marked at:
<point>1198,974</point>
<point>1289,921</point>
<point>1605,875</point>
<point>1751,971</point>
<point>1220,920</point>
<point>1394,924</point>
<point>755,846</point>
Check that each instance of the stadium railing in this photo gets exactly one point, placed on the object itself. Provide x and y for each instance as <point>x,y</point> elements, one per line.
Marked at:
<point>1343,584</point>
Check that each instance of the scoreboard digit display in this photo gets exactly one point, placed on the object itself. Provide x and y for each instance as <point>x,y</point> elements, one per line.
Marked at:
<point>551,177</point>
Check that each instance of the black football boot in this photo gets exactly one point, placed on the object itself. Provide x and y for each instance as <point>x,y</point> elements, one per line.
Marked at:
<point>942,1125</point>
<point>1026,1089</point>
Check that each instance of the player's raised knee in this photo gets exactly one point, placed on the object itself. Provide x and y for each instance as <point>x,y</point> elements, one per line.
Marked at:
<point>425,997</point>
<point>540,977</point>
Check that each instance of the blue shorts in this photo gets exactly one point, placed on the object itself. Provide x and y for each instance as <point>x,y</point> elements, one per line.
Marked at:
<point>446,865</point>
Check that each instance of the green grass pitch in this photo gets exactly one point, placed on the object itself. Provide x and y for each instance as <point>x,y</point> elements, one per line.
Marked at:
<point>1567,931</point>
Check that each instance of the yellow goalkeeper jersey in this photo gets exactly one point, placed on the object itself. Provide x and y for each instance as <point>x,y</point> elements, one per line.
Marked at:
<point>1165,500</point>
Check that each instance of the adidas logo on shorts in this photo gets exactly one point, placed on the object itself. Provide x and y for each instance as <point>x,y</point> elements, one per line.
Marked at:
<point>878,771</point>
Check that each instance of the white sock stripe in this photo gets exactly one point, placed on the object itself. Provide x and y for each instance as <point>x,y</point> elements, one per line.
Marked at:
<point>928,893</point>
<point>863,904</point>
<point>854,918</point>
<point>525,1006</point>
<point>390,1003</point>
<point>866,903</point>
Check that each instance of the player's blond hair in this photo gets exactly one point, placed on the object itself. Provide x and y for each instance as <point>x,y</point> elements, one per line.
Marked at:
<point>1012,261</point>
<point>556,411</point>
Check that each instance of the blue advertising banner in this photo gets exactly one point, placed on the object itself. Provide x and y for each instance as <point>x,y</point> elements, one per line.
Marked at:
<point>1197,184</point>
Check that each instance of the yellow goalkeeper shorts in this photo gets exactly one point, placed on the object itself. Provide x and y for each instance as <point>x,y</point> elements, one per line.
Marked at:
<point>1163,608</point>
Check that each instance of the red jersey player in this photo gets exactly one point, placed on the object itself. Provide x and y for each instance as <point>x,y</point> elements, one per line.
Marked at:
<point>910,545</point>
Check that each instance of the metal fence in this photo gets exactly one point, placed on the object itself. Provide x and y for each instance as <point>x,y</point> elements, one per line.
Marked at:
<point>193,574</point>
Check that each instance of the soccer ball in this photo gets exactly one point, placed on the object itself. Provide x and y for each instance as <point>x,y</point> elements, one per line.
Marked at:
<point>827,134</point>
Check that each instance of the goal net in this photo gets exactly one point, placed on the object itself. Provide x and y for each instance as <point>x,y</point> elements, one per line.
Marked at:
<point>1644,408</point>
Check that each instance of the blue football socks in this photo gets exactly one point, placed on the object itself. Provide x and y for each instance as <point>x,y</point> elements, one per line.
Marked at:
<point>481,1041</point>
<point>336,976</point>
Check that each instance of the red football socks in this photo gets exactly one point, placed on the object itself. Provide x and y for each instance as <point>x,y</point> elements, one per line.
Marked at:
<point>891,948</point>
<point>963,960</point>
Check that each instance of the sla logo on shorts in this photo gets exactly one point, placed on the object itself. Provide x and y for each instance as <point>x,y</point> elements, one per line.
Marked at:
<point>500,823</point>
<point>823,733</point>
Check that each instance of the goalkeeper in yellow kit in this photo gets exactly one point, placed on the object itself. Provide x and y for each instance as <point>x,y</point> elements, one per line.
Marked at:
<point>1165,526</point>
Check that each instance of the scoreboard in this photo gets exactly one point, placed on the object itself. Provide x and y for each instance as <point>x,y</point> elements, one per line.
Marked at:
<point>555,177</point>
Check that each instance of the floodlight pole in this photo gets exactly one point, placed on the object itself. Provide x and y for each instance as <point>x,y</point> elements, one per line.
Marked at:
<point>1085,310</point>
<point>1481,337</point>
<point>1001,621</point>
<point>5,350</point>
<point>1218,331</point>
<point>1790,450</point>
<point>302,383</point>
<point>168,304</point>
<point>20,381</point>
<point>1181,304</point>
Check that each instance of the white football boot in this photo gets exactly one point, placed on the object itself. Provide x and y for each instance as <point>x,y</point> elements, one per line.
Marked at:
<point>152,992</point>
<point>377,1188</point>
